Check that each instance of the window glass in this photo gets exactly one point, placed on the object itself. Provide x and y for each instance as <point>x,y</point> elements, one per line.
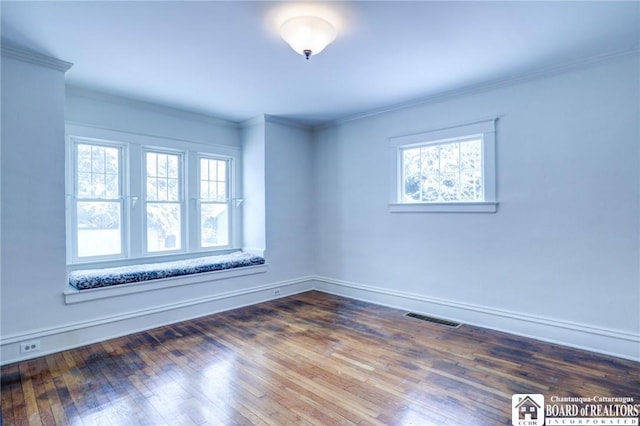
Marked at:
<point>98,201</point>
<point>450,171</point>
<point>163,202</point>
<point>214,203</point>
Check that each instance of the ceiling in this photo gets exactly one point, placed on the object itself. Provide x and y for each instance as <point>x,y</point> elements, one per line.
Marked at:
<point>225,58</point>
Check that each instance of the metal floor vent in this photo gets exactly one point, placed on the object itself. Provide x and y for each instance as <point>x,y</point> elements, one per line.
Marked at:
<point>433,319</point>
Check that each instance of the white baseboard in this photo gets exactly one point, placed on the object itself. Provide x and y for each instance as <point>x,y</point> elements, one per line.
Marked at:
<point>601,340</point>
<point>56,339</point>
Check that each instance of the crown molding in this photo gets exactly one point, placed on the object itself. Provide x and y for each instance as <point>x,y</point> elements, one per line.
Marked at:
<point>35,58</point>
<point>532,75</point>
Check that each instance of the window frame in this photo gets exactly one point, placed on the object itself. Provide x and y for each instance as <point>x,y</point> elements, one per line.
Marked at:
<point>485,130</point>
<point>133,150</point>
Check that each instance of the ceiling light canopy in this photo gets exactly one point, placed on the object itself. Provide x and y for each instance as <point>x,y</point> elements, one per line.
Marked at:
<point>307,35</point>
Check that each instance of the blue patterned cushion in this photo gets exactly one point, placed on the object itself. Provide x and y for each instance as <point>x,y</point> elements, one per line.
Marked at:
<point>94,278</point>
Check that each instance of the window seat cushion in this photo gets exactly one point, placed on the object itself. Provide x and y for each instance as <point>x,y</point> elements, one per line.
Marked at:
<point>94,278</point>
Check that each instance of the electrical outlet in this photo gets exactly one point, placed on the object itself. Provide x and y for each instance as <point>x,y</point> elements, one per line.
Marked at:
<point>276,292</point>
<point>28,347</point>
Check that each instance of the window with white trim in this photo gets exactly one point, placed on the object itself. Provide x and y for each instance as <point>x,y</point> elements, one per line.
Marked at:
<point>133,196</point>
<point>214,202</point>
<point>97,210</point>
<point>445,170</point>
<point>163,201</point>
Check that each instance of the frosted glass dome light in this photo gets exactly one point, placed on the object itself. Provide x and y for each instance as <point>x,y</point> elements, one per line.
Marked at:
<point>307,35</point>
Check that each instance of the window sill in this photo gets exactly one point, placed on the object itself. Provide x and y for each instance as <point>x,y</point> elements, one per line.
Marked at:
<point>72,295</point>
<point>481,207</point>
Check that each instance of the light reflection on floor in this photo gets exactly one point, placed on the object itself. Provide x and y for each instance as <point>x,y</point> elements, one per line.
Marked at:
<point>216,385</point>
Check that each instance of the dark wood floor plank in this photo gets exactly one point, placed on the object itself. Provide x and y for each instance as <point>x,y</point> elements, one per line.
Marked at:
<point>309,359</point>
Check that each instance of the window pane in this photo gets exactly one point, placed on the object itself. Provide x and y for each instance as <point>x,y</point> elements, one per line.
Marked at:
<point>471,186</point>
<point>214,225</point>
<point>163,227</point>
<point>204,169</point>
<point>99,228</point>
<point>471,155</point>
<point>449,157</point>
<point>430,159</point>
<point>443,172</point>
<point>173,190</point>
<point>152,189</point>
<point>162,189</point>
<point>162,165</point>
<point>213,179</point>
<point>111,160</point>
<point>97,172</point>
<point>430,188</point>
<point>449,186</point>
<point>221,191</point>
<point>84,158</point>
<point>163,177</point>
<point>111,187</point>
<point>97,159</point>
<point>172,166</point>
<point>222,170</point>
<point>152,163</point>
<point>84,185</point>
<point>98,186</point>
<point>213,170</point>
<point>411,173</point>
<point>204,190</point>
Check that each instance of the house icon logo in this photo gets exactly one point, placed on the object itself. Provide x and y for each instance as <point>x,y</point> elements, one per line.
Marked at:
<point>527,410</point>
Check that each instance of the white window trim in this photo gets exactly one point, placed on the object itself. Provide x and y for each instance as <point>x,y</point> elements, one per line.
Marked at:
<point>485,128</point>
<point>134,146</point>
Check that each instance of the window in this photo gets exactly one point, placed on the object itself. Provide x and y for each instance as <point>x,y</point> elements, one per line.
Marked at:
<point>214,203</point>
<point>445,170</point>
<point>163,201</point>
<point>135,196</point>
<point>440,172</point>
<point>98,203</point>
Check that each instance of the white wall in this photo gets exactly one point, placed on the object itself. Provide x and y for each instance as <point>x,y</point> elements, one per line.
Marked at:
<point>33,204</point>
<point>116,113</point>
<point>253,185</point>
<point>278,190</point>
<point>33,229</point>
<point>289,201</point>
<point>563,248</point>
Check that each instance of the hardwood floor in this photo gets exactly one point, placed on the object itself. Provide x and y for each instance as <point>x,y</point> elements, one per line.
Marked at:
<point>313,358</point>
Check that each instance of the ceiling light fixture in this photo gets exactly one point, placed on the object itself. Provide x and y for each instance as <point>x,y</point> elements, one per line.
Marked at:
<point>307,35</point>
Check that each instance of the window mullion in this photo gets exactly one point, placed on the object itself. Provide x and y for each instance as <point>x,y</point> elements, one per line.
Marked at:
<point>135,210</point>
